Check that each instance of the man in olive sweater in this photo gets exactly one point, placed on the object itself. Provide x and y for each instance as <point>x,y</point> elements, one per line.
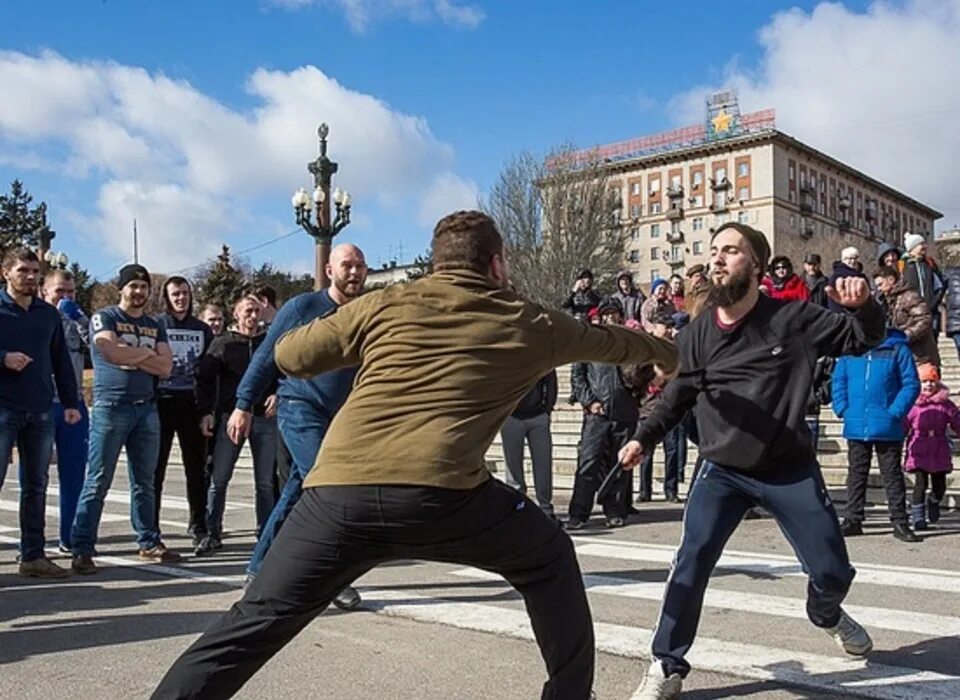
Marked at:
<point>443,361</point>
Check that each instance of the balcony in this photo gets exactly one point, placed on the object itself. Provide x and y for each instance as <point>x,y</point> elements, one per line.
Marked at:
<point>675,192</point>
<point>806,205</point>
<point>675,236</point>
<point>806,231</point>
<point>807,188</point>
<point>719,206</point>
<point>675,213</point>
<point>843,225</point>
<point>721,183</point>
<point>673,258</point>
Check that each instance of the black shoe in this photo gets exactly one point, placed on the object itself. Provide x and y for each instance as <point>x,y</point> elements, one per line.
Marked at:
<point>851,528</point>
<point>903,533</point>
<point>615,522</point>
<point>933,510</point>
<point>643,498</point>
<point>208,545</point>
<point>347,599</point>
<point>574,524</point>
<point>674,499</point>
<point>632,511</point>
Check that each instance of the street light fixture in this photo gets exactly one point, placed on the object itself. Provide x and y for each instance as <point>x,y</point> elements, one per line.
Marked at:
<point>313,213</point>
<point>55,260</point>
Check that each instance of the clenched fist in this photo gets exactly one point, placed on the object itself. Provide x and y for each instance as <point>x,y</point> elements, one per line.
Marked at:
<point>849,292</point>
<point>630,454</point>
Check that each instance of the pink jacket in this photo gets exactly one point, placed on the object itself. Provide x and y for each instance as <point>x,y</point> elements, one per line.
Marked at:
<point>928,449</point>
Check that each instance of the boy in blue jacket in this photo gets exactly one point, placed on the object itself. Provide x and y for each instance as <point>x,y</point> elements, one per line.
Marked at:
<point>873,393</point>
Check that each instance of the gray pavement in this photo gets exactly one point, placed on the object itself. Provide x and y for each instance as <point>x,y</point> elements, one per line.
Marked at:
<point>441,631</point>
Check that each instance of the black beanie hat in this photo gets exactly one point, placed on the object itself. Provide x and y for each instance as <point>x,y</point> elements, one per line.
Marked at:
<point>758,242</point>
<point>131,273</point>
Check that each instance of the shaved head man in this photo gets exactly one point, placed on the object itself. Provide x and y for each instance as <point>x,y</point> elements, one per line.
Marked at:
<point>305,407</point>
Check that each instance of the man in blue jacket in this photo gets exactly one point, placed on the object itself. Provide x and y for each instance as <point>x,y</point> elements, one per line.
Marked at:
<point>873,393</point>
<point>305,408</point>
<point>33,351</point>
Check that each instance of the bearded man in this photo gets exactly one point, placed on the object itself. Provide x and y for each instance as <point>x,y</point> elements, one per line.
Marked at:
<point>747,365</point>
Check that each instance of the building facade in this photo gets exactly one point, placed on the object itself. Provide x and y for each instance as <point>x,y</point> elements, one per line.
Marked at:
<point>675,189</point>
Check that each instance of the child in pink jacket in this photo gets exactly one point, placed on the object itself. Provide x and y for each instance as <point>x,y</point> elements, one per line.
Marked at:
<point>928,449</point>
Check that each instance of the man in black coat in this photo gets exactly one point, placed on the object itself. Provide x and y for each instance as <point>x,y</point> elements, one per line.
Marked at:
<point>815,280</point>
<point>583,296</point>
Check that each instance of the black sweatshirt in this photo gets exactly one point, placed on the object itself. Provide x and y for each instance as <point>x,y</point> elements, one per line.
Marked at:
<point>220,370</point>
<point>751,383</point>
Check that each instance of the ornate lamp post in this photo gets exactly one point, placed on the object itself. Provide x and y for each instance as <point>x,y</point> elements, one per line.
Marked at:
<point>313,213</point>
<point>55,260</point>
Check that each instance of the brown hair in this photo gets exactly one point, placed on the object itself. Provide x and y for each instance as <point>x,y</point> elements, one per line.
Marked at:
<point>465,240</point>
<point>888,271</point>
<point>15,255</point>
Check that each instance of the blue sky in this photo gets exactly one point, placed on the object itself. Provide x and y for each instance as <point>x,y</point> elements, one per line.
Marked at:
<point>198,118</point>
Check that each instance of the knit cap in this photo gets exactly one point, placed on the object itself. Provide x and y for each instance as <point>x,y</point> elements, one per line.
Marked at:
<point>756,239</point>
<point>132,273</point>
<point>912,240</point>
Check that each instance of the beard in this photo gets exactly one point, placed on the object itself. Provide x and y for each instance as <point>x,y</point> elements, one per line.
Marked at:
<point>348,288</point>
<point>733,290</point>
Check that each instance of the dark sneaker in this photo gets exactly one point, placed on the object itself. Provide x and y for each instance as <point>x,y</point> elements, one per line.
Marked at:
<point>574,524</point>
<point>903,533</point>
<point>643,498</point>
<point>933,510</point>
<point>851,528</point>
<point>83,564</point>
<point>159,553</point>
<point>64,549</point>
<point>615,522</point>
<point>347,599</point>
<point>208,545</point>
<point>674,499</point>
<point>850,636</point>
<point>41,568</point>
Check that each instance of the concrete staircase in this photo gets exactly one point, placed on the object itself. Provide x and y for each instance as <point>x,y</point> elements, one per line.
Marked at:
<point>832,451</point>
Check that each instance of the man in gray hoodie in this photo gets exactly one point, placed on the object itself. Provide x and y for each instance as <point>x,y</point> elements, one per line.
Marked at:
<point>630,298</point>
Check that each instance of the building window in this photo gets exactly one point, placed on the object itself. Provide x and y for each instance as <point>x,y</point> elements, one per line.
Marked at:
<point>720,220</point>
<point>635,210</point>
<point>697,247</point>
<point>697,179</point>
<point>654,230</point>
<point>655,208</point>
<point>744,193</point>
<point>635,234</point>
<point>675,251</point>
<point>654,253</point>
<point>634,255</point>
<point>654,274</point>
<point>793,222</point>
<point>675,182</point>
<point>793,196</point>
<point>743,217</point>
<point>654,186</point>
<point>675,227</point>
<point>637,189</point>
<point>792,171</point>
<point>698,223</point>
<point>720,174</point>
<point>743,170</point>
<point>698,200</point>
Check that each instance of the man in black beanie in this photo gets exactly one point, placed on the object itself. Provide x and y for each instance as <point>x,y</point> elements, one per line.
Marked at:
<point>747,366</point>
<point>129,351</point>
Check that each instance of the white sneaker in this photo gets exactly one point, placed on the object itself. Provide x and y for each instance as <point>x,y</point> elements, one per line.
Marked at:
<point>657,686</point>
<point>850,635</point>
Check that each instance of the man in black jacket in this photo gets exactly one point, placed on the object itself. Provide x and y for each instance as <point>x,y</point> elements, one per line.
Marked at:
<point>609,418</point>
<point>747,365</point>
<point>583,296</point>
<point>218,376</point>
<point>814,278</point>
<point>530,422</point>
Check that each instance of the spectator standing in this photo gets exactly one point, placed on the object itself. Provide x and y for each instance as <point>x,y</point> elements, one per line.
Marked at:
<point>872,394</point>
<point>189,339</point>
<point>657,304</point>
<point>847,266</point>
<point>212,315</point>
<point>699,289</point>
<point>821,392</point>
<point>929,453</point>
<point>921,274</point>
<point>530,422</point>
<point>33,352</point>
<point>129,351</point>
<point>906,311</point>
<point>268,303</point>
<point>60,290</point>
<point>782,283</point>
<point>609,418</point>
<point>951,299</point>
<point>888,255</point>
<point>815,280</point>
<point>218,376</point>
<point>629,296</point>
<point>583,296</point>
<point>677,293</point>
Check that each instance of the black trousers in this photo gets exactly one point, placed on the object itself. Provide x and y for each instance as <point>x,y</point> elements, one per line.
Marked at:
<point>889,455</point>
<point>178,416</point>
<point>938,486</point>
<point>600,440</point>
<point>335,534</point>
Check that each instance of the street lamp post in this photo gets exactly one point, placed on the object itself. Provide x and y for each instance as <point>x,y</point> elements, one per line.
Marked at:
<point>313,213</point>
<point>55,260</point>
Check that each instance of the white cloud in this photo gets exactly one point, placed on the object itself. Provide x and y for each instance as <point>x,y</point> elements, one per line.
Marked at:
<point>447,193</point>
<point>360,14</point>
<point>877,89</point>
<point>190,168</point>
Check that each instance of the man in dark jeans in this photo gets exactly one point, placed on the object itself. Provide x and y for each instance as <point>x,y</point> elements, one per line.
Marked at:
<point>443,361</point>
<point>873,394</point>
<point>747,364</point>
<point>609,418</point>
<point>189,340</point>
<point>33,349</point>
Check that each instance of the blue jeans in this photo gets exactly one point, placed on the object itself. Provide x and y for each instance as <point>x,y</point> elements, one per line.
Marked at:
<point>263,444</point>
<point>675,459</point>
<point>114,426</point>
<point>719,498</point>
<point>32,433</point>
<point>72,443</point>
<point>303,428</point>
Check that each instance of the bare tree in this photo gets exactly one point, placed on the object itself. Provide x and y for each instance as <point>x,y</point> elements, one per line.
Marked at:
<point>557,215</point>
